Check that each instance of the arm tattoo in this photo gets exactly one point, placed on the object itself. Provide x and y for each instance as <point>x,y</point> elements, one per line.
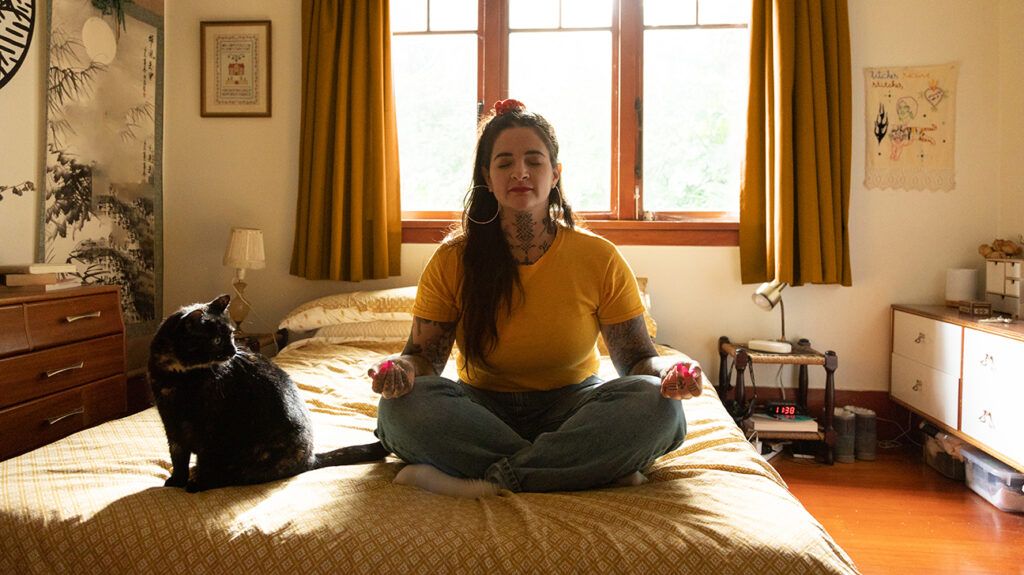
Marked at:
<point>628,344</point>
<point>431,341</point>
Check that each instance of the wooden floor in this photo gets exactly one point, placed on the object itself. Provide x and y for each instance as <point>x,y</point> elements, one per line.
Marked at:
<point>897,515</point>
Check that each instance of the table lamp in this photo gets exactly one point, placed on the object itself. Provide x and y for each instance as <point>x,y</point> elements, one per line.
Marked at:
<point>245,252</point>
<point>766,297</point>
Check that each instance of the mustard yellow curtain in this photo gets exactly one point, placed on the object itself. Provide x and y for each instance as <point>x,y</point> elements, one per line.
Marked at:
<point>795,191</point>
<point>348,223</point>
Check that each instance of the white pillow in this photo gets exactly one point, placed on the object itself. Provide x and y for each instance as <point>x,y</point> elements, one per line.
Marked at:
<point>354,307</point>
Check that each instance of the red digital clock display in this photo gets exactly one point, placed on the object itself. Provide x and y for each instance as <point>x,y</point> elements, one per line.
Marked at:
<point>782,410</point>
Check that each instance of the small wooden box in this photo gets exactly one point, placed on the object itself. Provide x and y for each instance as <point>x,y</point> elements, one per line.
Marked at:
<point>975,308</point>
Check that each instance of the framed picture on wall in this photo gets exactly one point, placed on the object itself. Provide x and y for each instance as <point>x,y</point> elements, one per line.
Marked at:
<point>235,68</point>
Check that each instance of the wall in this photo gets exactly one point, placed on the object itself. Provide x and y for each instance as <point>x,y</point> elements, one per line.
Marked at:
<point>22,141</point>
<point>224,172</point>
<point>242,172</point>
<point>1011,120</point>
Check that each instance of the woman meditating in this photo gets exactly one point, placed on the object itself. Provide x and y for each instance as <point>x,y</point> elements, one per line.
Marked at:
<point>525,292</point>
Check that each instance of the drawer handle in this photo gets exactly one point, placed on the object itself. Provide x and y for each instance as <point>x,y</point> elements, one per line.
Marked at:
<point>987,360</point>
<point>59,418</point>
<point>917,386</point>
<point>919,338</point>
<point>986,417</point>
<point>54,372</point>
<point>91,314</point>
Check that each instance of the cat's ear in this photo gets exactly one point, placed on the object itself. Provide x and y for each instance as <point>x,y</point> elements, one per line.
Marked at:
<point>219,305</point>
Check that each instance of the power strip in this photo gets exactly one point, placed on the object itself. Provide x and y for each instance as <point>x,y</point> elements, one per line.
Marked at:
<point>770,345</point>
<point>775,449</point>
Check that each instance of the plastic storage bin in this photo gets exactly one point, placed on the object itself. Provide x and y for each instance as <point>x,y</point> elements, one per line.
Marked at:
<point>937,458</point>
<point>997,482</point>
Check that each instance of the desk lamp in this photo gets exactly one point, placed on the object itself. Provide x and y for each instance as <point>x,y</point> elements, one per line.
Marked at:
<point>245,252</point>
<point>766,297</point>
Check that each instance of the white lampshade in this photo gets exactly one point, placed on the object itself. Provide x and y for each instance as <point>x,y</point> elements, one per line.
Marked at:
<point>245,249</point>
<point>769,294</point>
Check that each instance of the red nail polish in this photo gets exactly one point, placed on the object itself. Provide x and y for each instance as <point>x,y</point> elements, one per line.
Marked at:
<point>683,370</point>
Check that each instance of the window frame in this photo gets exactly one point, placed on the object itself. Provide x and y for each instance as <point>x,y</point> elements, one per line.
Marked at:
<point>623,223</point>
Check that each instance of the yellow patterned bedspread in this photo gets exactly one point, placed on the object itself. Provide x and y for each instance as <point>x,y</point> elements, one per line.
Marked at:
<point>94,503</point>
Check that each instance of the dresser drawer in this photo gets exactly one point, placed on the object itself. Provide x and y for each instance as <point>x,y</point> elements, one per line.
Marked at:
<point>935,344</point>
<point>1012,287</point>
<point>1013,269</point>
<point>930,391</point>
<point>994,392</point>
<point>12,330</point>
<point>44,372</point>
<point>73,319</point>
<point>995,275</point>
<point>45,420</point>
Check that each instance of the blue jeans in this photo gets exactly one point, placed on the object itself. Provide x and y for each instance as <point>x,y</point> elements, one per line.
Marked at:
<point>575,437</point>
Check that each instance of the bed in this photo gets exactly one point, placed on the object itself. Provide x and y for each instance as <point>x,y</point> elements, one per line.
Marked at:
<point>94,502</point>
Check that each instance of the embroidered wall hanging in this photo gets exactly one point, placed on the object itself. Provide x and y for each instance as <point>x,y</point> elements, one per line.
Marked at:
<point>911,127</point>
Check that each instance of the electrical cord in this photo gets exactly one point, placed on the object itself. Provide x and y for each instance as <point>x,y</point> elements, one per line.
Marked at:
<point>252,309</point>
<point>895,442</point>
<point>778,380</point>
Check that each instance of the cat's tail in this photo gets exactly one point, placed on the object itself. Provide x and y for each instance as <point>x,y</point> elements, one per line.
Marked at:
<point>351,455</point>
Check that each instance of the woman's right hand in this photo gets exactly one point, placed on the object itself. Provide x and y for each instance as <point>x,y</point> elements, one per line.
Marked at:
<point>392,377</point>
<point>682,380</point>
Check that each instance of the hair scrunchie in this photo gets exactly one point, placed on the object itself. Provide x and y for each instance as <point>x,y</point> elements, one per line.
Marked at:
<point>505,106</point>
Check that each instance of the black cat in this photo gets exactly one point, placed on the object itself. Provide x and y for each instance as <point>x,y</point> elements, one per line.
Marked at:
<point>238,412</point>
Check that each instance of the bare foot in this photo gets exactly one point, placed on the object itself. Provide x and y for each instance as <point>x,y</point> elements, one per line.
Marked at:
<point>432,479</point>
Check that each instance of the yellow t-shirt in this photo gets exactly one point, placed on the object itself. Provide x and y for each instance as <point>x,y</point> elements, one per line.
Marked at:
<point>549,340</point>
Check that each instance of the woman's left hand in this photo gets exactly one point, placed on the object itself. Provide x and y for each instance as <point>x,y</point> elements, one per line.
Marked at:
<point>392,377</point>
<point>682,380</point>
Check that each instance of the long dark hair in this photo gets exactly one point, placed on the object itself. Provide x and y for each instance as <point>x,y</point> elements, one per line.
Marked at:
<point>490,274</point>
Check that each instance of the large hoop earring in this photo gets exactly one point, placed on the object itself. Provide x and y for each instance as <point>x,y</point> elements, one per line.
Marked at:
<point>556,209</point>
<point>478,222</point>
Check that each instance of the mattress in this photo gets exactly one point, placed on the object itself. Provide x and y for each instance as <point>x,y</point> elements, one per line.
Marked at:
<point>94,502</point>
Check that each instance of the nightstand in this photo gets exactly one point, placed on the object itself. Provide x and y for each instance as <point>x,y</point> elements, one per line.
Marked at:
<point>264,344</point>
<point>802,356</point>
<point>62,364</point>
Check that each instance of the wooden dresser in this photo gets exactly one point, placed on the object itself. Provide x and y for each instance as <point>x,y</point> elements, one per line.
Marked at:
<point>62,364</point>
<point>963,375</point>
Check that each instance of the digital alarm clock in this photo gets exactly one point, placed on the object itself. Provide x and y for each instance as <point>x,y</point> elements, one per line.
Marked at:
<point>782,409</point>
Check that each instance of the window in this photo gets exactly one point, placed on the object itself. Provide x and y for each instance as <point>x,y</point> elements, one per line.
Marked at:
<point>435,78</point>
<point>648,99</point>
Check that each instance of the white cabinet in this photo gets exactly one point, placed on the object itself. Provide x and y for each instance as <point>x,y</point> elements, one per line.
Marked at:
<point>994,392</point>
<point>926,365</point>
<point>966,376</point>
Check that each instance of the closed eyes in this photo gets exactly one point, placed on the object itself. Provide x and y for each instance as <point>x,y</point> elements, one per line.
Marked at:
<point>532,164</point>
<point>530,155</point>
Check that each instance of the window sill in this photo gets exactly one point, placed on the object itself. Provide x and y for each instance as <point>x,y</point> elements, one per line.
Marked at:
<point>620,232</point>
